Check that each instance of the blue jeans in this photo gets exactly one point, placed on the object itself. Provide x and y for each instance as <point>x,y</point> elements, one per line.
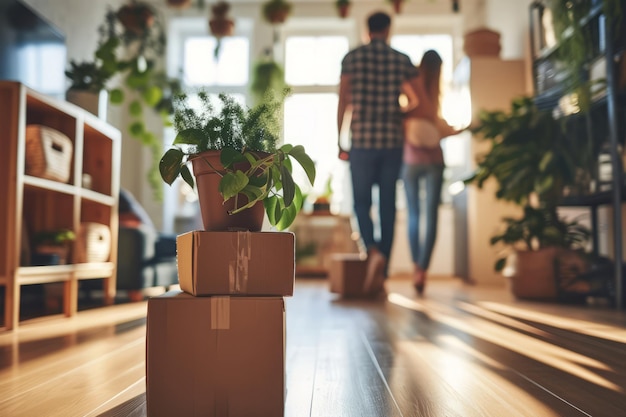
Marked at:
<point>422,200</point>
<point>369,167</point>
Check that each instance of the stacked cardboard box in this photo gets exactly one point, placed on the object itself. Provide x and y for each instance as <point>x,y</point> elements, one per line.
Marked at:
<point>217,348</point>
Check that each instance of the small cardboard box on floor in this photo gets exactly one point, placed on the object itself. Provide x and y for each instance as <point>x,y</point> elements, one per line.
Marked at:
<point>236,263</point>
<point>215,356</point>
<point>346,274</point>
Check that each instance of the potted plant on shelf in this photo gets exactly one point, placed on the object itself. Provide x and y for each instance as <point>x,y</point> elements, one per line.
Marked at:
<point>88,79</point>
<point>533,164</point>
<point>343,7</point>
<point>52,247</point>
<point>276,11</point>
<point>239,170</point>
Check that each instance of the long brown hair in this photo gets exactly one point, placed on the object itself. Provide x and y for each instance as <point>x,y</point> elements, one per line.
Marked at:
<point>430,69</point>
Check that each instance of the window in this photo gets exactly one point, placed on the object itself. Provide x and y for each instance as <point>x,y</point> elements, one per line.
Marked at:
<point>205,63</point>
<point>312,69</point>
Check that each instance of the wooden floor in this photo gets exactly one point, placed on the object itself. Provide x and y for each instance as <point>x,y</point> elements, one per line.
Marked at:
<point>460,351</point>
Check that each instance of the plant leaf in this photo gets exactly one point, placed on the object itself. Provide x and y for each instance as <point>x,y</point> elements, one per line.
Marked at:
<point>170,165</point>
<point>289,187</point>
<point>232,183</point>
<point>271,205</point>
<point>189,137</point>
<point>187,176</point>
<point>229,156</point>
<point>305,161</point>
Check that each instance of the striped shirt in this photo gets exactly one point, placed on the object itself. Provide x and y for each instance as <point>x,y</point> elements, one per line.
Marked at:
<point>377,73</point>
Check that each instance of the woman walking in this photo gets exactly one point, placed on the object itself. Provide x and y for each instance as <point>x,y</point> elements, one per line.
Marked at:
<point>423,165</point>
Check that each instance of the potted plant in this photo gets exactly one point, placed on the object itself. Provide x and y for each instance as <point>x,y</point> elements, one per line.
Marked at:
<point>179,4</point>
<point>534,164</point>
<point>136,17</point>
<point>276,11</point>
<point>343,7</point>
<point>88,79</point>
<point>238,168</point>
<point>53,246</point>
<point>267,75</point>
<point>220,24</point>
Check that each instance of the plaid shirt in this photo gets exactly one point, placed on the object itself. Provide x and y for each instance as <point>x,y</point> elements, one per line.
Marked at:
<point>377,72</point>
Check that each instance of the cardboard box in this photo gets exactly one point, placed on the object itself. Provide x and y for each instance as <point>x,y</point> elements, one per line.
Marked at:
<point>236,263</point>
<point>346,274</point>
<point>215,356</point>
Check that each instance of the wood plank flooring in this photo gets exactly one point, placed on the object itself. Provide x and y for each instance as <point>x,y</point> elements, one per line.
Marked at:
<point>460,351</point>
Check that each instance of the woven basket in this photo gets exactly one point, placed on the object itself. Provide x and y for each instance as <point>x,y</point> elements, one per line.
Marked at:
<point>95,242</point>
<point>48,153</point>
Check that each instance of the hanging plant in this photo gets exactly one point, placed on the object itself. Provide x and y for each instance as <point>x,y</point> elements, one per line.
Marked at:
<point>178,4</point>
<point>268,77</point>
<point>343,7</point>
<point>397,5</point>
<point>220,24</point>
<point>136,17</point>
<point>276,11</point>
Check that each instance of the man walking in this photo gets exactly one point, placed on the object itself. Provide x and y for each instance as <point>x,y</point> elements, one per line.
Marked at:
<point>373,77</point>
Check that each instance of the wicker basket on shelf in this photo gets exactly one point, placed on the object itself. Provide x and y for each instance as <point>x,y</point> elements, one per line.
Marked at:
<point>94,242</point>
<point>48,153</point>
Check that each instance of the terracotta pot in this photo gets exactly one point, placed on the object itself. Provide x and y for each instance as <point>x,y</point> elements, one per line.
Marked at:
<point>397,6</point>
<point>278,16</point>
<point>179,4</point>
<point>136,18</point>
<point>532,274</point>
<point>343,10</point>
<point>215,212</point>
<point>221,27</point>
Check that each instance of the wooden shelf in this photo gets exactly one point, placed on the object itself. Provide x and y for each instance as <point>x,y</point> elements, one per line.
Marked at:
<point>35,204</point>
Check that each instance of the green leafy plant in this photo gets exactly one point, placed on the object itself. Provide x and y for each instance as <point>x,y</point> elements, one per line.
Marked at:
<point>242,135</point>
<point>94,75</point>
<point>54,237</point>
<point>533,162</point>
<point>276,11</point>
<point>267,76</point>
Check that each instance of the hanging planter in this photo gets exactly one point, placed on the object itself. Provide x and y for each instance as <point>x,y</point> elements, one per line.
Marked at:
<point>343,7</point>
<point>276,11</point>
<point>137,18</point>
<point>178,4</point>
<point>220,24</point>
<point>397,5</point>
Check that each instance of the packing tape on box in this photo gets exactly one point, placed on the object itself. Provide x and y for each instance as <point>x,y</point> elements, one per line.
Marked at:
<point>220,313</point>
<point>238,267</point>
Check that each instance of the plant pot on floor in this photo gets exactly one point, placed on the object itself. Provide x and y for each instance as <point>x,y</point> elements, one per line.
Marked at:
<point>215,212</point>
<point>532,273</point>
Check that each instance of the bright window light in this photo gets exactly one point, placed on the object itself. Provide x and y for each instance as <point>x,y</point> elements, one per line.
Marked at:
<point>229,67</point>
<point>314,60</point>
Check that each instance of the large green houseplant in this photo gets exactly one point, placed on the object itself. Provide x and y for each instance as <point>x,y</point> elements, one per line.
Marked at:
<point>534,163</point>
<point>238,148</point>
